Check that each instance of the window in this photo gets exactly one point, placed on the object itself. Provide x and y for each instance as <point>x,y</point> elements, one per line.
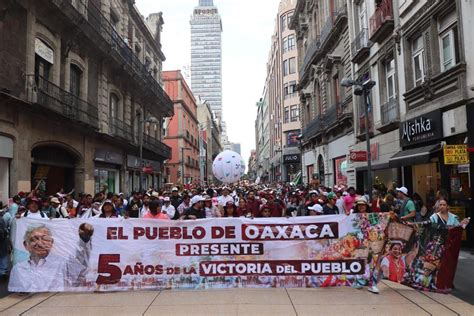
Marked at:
<point>44,58</point>
<point>390,79</point>
<point>113,106</point>
<point>285,68</point>
<point>418,60</point>
<point>283,23</point>
<point>285,45</point>
<point>286,117</point>
<point>294,113</point>
<point>288,18</point>
<point>289,89</point>
<point>336,87</point>
<point>292,65</point>
<point>448,40</point>
<point>291,42</point>
<point>362,16</point>
<point>75,80</point>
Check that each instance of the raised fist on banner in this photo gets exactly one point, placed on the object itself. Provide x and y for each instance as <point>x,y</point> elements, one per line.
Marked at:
<point>86,231</point>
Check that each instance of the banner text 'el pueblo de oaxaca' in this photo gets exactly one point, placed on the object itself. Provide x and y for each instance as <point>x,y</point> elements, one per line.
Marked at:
<point>133,254</point>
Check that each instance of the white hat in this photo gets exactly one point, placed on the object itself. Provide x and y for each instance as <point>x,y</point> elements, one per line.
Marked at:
<point>362,200</point>
<point>166,199</point>
<point>316,207</point>
<point>313,192</point>
<point>196,199</point>
<point>155,194</point>
<point>55,200</point>
<point>404,190</point>
<point>174,189</point>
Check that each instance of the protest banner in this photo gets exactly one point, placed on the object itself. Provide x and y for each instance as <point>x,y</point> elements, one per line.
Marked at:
<point>130,254</point>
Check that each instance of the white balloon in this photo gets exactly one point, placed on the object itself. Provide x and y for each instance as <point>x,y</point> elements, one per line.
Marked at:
<point>228,167</point>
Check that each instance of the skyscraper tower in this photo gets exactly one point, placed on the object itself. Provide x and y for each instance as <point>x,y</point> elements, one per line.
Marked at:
<point>206,55</point>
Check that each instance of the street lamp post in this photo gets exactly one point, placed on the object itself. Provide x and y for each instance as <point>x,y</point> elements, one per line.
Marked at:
<point>182,162</point>
<point>362,88</point>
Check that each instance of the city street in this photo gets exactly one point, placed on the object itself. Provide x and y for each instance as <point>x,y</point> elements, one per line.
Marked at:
<point>394,299</point>
<point>464,280</point>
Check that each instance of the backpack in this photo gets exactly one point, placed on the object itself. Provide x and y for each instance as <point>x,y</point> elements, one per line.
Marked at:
<point>41,213</point>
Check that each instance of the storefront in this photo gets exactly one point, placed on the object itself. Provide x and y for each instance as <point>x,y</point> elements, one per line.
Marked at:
<point>6,154</point>
<point>151,174</point>
<point>309,161</point>
<point>424,167</point>
<point>107,169</point>
<point>292,166</point>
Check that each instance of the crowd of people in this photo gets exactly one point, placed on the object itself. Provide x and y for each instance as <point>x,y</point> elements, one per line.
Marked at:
<point>251,201</point>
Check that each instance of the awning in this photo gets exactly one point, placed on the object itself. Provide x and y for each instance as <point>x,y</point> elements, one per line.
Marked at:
<point>413,156</point>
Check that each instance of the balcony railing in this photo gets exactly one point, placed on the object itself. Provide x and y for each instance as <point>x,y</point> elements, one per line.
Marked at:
<point>334,114</point>
<point>157,146</point>
<point>327,27</point>
<point>316,126</point>
<point>101,24</point>
<point>381,22</point>
<point>360,46</point>
<point>309,54</point>
<point>50,96</point>
<point>120,129</point>
<point>390,112</point>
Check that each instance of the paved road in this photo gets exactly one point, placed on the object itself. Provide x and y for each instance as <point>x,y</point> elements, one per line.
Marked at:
<point>464,281</point>
<point>394,299</point>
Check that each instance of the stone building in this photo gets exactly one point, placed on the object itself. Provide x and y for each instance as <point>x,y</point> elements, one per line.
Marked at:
<point>182,131</point>
<point>324,59</point>
<point>80,90</point>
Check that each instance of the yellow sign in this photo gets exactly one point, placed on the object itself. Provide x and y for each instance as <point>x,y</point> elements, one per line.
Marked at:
<point>455,155</point>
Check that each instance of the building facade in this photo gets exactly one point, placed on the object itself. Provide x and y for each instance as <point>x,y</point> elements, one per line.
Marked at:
<point>206,55</point>
<point>420,110</point>
<point>281,101</point>
<point>262,139</point>
<point>80,95</point>
<point>322,32</point>
<point>182,132</point>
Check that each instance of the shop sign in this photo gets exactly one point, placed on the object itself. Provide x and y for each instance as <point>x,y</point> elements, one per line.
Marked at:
<point>424,128</point>
<point>147,169</point>
<point>360,155</point>
<point>289,159</point>
<point>455,155</point>
<point>133,162</point>
<point>107,156</point>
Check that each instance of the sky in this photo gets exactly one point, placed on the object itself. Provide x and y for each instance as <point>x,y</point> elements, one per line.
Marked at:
<point>246,38</point>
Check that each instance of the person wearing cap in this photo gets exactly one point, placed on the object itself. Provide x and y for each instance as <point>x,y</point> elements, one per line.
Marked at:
<point>315,210</point>
<point>276,208</point>
<point>407,208</point>
<point>330,207</point>
<point>108,210</point>
<point>196,210</point>
<point>175,198</point>
<point>169,209</point>
<point>210,209</point>
<point>224,198</point>
<point>361,206</point>
<point>57,210</point>
<point>33,210</point>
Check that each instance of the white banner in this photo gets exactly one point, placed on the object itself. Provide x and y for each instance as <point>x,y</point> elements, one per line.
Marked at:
<point>130,254</point>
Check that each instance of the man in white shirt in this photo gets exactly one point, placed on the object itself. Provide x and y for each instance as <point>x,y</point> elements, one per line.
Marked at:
<point>45,272</point>
<point>167,208</point>
<point>33,210</point>
<point>224,198</point>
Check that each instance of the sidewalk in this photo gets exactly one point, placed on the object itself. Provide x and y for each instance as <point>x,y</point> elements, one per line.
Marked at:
<point>394,299</point>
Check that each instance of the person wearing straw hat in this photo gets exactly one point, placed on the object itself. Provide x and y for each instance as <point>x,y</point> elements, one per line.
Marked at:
<point>361,206</point>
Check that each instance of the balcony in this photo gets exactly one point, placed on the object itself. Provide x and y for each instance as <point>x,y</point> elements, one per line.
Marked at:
<point>50,96</point>
<point>390,116</point>
<point>360,46</point>
<point>120,129</point>
<point>314,128</point>
<point>98,27</point>
<point>335,115</point>
<point>309,55</point>
<point>381,22</point>
<point>157,146</point>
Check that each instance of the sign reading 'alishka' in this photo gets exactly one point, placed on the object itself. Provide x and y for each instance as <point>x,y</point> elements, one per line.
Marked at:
<point>423,128</point>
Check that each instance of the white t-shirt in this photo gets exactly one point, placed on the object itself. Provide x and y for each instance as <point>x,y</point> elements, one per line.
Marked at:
<point>170,210</point>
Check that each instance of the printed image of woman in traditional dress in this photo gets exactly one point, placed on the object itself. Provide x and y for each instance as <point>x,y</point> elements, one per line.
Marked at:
<point>395,263</point>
